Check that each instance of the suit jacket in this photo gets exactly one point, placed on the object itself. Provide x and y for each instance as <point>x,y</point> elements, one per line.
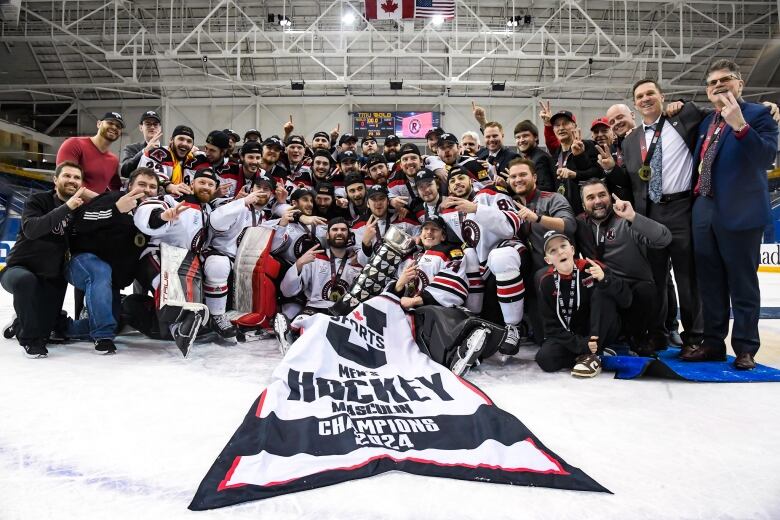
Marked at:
<point>739,180</point>
<point>502,158</point>
<point>545,170</point>
<point>129,158</point>
<point>686,122</point>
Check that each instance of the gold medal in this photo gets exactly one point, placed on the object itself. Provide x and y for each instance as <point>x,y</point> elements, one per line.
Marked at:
<point>644,172</point>
<point>562,189</point>
<point>139,240</point>
<point>335,295</point>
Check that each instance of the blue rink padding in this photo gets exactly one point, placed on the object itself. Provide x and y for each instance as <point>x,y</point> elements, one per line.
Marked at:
<point>768,313</point>
<point>669,366</point>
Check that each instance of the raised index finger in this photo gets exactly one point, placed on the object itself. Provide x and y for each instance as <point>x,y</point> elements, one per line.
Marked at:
<point>617,199</point>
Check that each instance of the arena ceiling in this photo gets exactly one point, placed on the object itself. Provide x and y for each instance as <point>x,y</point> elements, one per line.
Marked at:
<point>64,51</point>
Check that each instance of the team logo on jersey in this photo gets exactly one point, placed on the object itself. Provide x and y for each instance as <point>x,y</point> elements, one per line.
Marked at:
<point>471,233</point>
<point>611,234</point>
<point>303,244</point>
<point>198,241</point>
<point>158,154</point>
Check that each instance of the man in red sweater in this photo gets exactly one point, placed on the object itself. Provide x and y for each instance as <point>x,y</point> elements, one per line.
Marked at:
<point>100,166</point>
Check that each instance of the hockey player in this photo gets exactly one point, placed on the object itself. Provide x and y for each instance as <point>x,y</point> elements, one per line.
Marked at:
<point>298,164</point>
<point>216,155</point>
<point>228,223</point>
<point>434,274</point>
<point>324,276</point>
<point>377,171</point>
<point>449,154</point>
<point>487,224</point>
<point>355,188</point>
<point>369,146</point>
<point>580,299</point>
<point>174,164</point>
<point>391,150</point>
<point>302,230</point>
<point>370,227</point>
<point>321,166</point>
<point>400,185</point>
<point>183,224</point>
<point>320,141</point>
<point>273,147</point>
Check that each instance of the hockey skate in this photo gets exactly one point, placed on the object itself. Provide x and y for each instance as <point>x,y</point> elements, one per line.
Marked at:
<point>468,352</point>
<point>185,329</point>
<point>510,343</point>
<point>283,332</point>
<point>225,330</point>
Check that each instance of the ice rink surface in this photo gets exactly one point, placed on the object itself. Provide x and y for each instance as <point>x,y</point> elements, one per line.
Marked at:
<point>85,436</point>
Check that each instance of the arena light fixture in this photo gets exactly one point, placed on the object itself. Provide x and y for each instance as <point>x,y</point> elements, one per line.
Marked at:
<point>348,18</point>
<point>437,19</point>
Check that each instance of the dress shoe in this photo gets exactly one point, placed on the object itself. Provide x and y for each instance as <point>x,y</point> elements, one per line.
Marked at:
<point>744,361</point>
<point>702,353</point>
<point>675,339</point>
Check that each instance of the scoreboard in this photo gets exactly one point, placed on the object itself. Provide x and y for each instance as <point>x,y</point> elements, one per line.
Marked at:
<point>373,124</point>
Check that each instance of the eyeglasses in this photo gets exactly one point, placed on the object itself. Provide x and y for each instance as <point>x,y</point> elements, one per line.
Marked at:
<point>724,80</point>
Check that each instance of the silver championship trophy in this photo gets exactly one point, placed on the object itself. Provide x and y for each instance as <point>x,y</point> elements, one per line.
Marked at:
<point>373,278</point>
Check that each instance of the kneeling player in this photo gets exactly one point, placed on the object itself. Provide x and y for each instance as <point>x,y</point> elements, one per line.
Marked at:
<point>579,301</point>
<point>324,276</point>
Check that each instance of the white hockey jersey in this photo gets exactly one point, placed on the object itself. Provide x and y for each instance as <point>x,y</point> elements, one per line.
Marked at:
<point>318,279</point>
<point>441,276</point>
<point>408,225</point>
<point>188,231</point>
<point>229,222</point>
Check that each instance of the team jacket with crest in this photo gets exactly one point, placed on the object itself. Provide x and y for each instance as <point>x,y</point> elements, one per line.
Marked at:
<point>296,239</point>
<point>441,276</point>
<point>229,172</point>
<point>549,204</point>
<point>188,231</point>
<point>408,225</point>
<point>316,279</point>
<point>164,162</point>
<point>229,221</point>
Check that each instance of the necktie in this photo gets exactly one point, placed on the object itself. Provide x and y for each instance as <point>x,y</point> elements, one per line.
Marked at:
<point>655,186</point>
<point>705,180</point>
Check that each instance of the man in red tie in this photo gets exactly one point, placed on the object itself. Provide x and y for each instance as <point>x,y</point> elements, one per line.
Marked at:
<point>737,144</point>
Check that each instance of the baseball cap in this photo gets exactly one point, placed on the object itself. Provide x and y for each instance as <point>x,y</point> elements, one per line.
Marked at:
<point>232,133</point>
<point>377,190</point>
<point>264,178</point>
<point>562,113</point>
<point>207,173</point>
<point>437,131</point>
<point>325,188</point>
<point>392,139</point>
<point>425,175</point>
<point>337,220</point>
<point>218,138</point>
<point>457,170</point>
<point>296,139</point>
<point>552,234</point>
<point>301,192</point>
<point>251,147</point>
<point>323,153</point>
<point>347,155</point>
<point>183,130</point>
<point>447,138</point>
<point>409,148</point>
<point>347,137</point>
<point>274,141</point>
<point>436,220</point>
<point>600,121</point>
<point>353,178</point>
<point>114,116</point>
<point>367,138</point>
<point>326,135</point>
<point>150,114</point>
<point>375,159</point>
<point>253,131</point>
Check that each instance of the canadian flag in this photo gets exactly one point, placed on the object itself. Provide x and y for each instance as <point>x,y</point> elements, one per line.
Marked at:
<point>389,9</point>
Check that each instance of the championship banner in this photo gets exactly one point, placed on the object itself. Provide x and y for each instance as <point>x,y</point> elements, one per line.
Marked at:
<point>355,397</point>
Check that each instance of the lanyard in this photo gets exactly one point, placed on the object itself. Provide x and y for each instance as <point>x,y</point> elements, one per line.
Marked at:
<point>713,134</point>
<point>335,275</point>
<point>563,158</point>
<point>562,310</point>
<point>647,152</point>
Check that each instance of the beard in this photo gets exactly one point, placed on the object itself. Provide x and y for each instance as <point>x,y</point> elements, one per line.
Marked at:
<point>203,195</point>
<point>339,242</point>
<point>109,135</point>
<point>391,156</point>
<point>66,191</point>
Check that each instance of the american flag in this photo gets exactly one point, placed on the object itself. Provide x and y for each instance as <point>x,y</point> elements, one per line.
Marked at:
<point>431,8</point>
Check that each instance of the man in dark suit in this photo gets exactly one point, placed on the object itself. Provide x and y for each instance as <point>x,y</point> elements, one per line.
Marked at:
<point>662,187</point>
<point>494,152</point>
<point>736,145</point>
